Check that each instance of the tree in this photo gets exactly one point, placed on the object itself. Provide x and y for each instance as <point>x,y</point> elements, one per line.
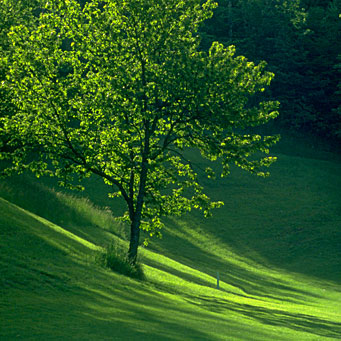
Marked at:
<point>15,14</point>
<point>120,89</point>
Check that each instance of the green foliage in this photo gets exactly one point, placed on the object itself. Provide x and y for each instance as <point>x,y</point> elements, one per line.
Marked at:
<point>114,257</point>
<point>121,90</point>
<point>337,110</point>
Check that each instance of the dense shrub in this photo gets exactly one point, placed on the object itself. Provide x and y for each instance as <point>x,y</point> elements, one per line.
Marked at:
<point>114,257</point>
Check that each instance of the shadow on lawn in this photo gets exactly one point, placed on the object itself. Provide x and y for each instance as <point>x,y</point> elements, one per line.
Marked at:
<point>147,314</point>
<point>299,322</point>
<point>181,274</point>
<point>250,283</point>
<point>56,293</point>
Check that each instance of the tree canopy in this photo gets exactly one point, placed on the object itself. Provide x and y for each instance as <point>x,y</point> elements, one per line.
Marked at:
<point>121,89</point>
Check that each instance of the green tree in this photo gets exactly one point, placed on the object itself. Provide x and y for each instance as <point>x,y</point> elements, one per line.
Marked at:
<point>10,14</point>
<point>121,90</point>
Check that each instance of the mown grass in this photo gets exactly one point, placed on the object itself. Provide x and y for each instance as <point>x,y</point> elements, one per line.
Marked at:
<point>52,291</point>
<point>275,244</point>
<point>290,220</point>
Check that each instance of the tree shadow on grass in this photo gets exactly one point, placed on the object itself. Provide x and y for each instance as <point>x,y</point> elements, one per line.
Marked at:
<point>149,315</point>
<point>181,274</point>
<point>275,317</point>
<point>201,258</point>
<point>249,287</point>
<point>61,296</point>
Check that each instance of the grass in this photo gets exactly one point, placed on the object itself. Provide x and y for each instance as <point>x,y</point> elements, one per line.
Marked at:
<point>62,208</point>
<point>275,244</point>
<point>114,257</point>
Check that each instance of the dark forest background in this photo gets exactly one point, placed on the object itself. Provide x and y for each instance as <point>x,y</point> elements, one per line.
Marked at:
<point>301,42</point>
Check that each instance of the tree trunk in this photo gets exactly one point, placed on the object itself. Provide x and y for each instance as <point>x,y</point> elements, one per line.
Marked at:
<point>137,215</point>
<point>134,241</point>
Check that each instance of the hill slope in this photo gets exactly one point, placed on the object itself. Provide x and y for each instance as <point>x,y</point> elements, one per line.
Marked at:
<point>275,245</point>
<point>51,290</point>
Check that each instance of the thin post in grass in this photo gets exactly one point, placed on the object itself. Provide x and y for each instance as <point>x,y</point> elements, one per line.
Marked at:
<point>218,280</point>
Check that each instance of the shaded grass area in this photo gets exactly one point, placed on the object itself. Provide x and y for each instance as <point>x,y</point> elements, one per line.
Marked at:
<point>291,220</point>
<point>70,210</point>
<point>51,289</point>
<point>300,322</point>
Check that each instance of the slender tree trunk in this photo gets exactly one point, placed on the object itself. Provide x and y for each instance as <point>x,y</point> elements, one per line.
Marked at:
<point>134,240</point>
<point>137,215</point>
<point>136,221</point>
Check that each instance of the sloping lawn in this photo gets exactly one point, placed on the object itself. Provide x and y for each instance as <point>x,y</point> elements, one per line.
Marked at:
<point>275,243</point>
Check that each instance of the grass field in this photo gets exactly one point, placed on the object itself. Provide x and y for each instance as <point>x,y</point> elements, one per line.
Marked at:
<point>276,245</point>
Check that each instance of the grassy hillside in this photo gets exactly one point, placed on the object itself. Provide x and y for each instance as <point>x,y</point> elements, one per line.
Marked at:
<point>291,220</point>
<point>275,244</point>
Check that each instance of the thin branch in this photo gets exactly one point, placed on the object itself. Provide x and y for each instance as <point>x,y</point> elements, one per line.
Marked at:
<point>113,181</point>
<point>190,163</point>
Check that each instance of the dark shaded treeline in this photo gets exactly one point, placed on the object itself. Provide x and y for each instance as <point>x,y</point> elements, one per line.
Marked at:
<point>301,42</point>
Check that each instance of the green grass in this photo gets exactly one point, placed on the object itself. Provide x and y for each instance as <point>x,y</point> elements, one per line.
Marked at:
<point>114,257</point>
<point>70,210</point>
<point>276,244</point>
